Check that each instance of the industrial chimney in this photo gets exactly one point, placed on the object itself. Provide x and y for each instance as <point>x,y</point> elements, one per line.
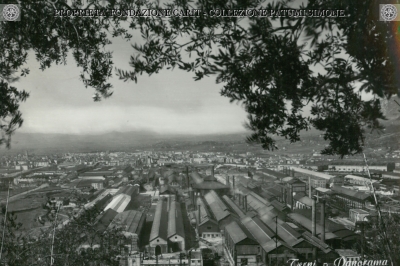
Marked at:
<point>212,171</point>
<point>313,218</point>
<point>245,204</point>
<point>187,176</point>
<point>323,220</point>
<point>199,221</point>
<point>309,187</point>
<point>233,187</point>
<point>199,212</point>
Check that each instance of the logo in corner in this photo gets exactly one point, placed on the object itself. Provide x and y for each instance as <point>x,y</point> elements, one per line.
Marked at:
<point>10,12</point>
<point>389,12</point>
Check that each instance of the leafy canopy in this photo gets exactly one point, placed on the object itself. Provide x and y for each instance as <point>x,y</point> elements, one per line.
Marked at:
<point>275,66</point>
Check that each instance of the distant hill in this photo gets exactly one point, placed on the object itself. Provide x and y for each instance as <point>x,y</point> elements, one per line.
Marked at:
<point>113,141</point>
<point>128,141</point>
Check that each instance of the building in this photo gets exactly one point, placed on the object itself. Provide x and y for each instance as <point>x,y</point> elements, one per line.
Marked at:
<point>218,209</point>
<point>167,232</point>
<point>207,226</point>
<point>349,199</point>
<point>240,246</point>
<point>159,231</point>
<point>132,223</point>
<point>348,255</point>
<point>290,187</point>
<point>176,232</point>
<point>97,184</point>
<point>357,215</point>
<point>318,182</point>
<point>359,180</point>
<point>300,172</point>
<point>119,203</point>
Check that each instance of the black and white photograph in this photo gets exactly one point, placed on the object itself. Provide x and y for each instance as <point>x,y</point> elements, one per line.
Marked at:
<point>199,132</point>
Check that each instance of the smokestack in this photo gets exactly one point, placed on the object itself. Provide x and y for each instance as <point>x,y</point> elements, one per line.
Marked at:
<point>285,195</point>
<point>212,171</point>
<point>313,218</point>
<point>245,204</point>
<point>199,211</point>
<point>309,187</point>
<point>323,220</point>
<point>233,187</point>
<point>187,176</point>
<point>192,196</point>
<point>291,198</point>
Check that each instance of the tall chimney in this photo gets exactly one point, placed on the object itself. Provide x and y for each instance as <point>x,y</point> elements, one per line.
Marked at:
<point>285,195</point>
<point>291,198</point>
<point>198,221</point>
<point>187,176</point>
<point>199,211</point>
<point>212,171</point>
<point>233,187</point>
<point>192,196</point>
<point>323,220</point>
<point>245,204</point>
<point>313,218</point>
<point>309,187</point>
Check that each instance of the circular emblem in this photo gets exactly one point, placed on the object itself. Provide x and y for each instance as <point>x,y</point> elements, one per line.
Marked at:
<point>11,12</point>
<point>389,12</point>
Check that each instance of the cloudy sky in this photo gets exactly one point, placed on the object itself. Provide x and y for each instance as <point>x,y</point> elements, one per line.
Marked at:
<point>170,102</point>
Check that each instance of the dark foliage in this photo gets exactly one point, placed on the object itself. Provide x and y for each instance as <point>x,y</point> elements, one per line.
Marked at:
<point>276,67</point>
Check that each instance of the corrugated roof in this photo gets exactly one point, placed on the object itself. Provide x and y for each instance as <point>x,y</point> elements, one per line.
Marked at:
<point>306,200</point>
<point>271,173</point>
<point>290,230</point>
<point>118,203</point>
<point>233,206</point>
<point>311,173</point>
<point>360,178</point>
<point>256,231</point>
<point>175,221</point>
<point>350,193</point>
<point>271,245</point>
<point>255,202</point>
<point>306,223</point>
<point>316,242</point>
<point>204,213</point>
<point>130,220</point>
<point>278,205</point>
<point>209,185</point>
<point>160,228</point>
<point>105,219</point>
<point>218,208</point>
<point>236,233</point>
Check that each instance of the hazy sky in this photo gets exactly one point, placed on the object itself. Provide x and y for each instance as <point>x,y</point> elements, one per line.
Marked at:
<point>170,102</point>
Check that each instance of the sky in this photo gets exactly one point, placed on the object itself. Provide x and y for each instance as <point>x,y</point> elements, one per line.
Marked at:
<point>168,102</point>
